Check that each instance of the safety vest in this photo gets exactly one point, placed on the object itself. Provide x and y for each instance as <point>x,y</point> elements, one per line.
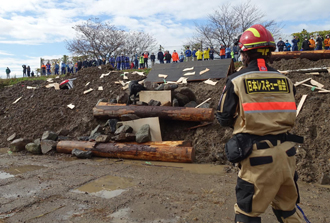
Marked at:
<point>141,59</point>
<point>267,104</point>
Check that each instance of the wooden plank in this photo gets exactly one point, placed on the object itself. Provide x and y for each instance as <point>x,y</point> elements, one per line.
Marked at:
<point>162,96</point>
<point>240,68</point>
<point>17,100</point>
<point>210,82</point>
<point>155,132</point>
<point>203,103</point>
<point>301,82</point>
<point>71,106</point>
<point>204,71</point>
<point>188,69</point>
<point>301,103</point>
<point>313,82</point>
<point>189,74</point>
<point>162,76</point>
<point>314,73</point>
<point>311,86</point>
<point>88,91</point>
<point>100,88</point>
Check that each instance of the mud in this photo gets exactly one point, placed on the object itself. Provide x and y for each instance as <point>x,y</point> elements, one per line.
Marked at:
<point>45,109</point>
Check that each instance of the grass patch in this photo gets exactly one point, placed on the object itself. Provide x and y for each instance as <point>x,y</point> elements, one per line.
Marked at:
<point>13,81</point>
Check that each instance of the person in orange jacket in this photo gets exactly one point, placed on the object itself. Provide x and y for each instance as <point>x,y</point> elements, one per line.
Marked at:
<point>327,43</point>
<point>175,57</point>
<point>312,43</point>
<point>222,51</point>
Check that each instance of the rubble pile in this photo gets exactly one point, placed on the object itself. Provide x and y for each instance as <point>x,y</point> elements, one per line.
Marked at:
<point>46,109</point>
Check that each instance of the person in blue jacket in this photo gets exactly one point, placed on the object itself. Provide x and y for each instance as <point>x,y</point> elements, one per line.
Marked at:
<point>123,61</point>
<point>295,42</point>
<point>287,46</point>
<point>112,61</point>
<point>63,67</point>
<point>127,62</point>
<point>118,60</point>
<point>194,54</point>
<point>160,56</point>
<point>181,57</point>
<point>211,53</point>
<point>188,54</point>
<point>57,67</point>
<point>228,51</point>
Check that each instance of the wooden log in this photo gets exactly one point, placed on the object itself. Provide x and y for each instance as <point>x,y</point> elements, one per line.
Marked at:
<point>106,111</point>
<point>311,55</point>
<point>163,151</point>
<point>306,71</point>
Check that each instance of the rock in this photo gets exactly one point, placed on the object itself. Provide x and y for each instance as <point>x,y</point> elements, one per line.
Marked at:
<point>33,148</point>
<point>154,103</point>
<point>11,138</point>
<point>49,135</point>
<point>92,139</point>
<point>325,179</point>
<point>93,133</point>
<point>112,123</point>
<point>125,137</point>
<point>18,144</point>
<point>129,117</point>
<point>48,146</point>
<point>148,85</point>
<point>102,138</point>
<point>205,105</point>
<point>167,104</point>
<point>175,103</point>
<point>141,103</point>
<point>189,93</point>
<point>122,98</point>
<point>124,129</point>
<point>62,138</point>
<point>64,132</point>
<point>37,141</point>
<point>113,101</point>
<point>191,104</point>
<point>160,87</point>
<point>82,154</point>
<point>83,138</point>
<point>143,135</point>
<point>170,86</point>
<point>182,99</point>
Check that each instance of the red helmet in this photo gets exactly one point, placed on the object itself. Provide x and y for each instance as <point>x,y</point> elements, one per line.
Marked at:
<point>257,36</point>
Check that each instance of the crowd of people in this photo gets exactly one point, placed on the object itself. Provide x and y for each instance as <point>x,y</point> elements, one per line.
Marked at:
<point>308,44</point>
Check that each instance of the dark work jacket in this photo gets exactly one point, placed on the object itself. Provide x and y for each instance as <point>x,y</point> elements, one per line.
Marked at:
<point>305,45</point>
<point>160,56</point>
<point>168,56</point>
<point>153,57</point>
<point>319,41</point>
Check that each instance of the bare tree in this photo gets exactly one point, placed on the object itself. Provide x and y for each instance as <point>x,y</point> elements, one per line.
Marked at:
<point>138,42</point>
<point>228,22</point>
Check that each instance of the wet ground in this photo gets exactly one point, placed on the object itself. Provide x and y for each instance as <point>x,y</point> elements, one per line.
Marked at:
<point>61,188</point>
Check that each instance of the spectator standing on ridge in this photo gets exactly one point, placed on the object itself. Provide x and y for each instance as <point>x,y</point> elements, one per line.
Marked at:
<point>24,70</point>
<point>118,62</point>
<point>70,68</point>
<point>112,61</point>
<point>136,63</point>
<point>43,69</point>
<point>306,44</point>
<point>32,74</point>
<point>85,63</point>
<point>211,53</point>
<point>199,55</point>
<point>206,53</point>
<point>222,51</point>
<point>295,42</point>
<point>28,69</point>
<point>127,62</point>
<point>63,68</point>
<point>8,72</point>
<point>48,68</point>
<point>175,57</point>
<point>280,45</point>
<point>188,54</point>
<point>160,56</point>
<point>146,56</point>
<point>141,61</point>
<point>319,42</point>
<point>327,42</point>
<point>287,46</point>
<point>235,52</point>
<point>153,59</point>
<point>76,67</point>
<point>194,57</point>
<point>57,67</point>
<point>228,50</point>
<point>181,57</point>
<point>312,42</point>
<point>168,57</point>
<point>79,65</point>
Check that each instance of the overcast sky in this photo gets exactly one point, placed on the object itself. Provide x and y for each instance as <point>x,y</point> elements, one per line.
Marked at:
<point>30,29</point>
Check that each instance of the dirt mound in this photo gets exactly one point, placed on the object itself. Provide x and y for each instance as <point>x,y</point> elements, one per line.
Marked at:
<point>45,109</point>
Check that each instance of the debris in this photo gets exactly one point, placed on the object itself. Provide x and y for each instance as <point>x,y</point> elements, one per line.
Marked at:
<point>301,103</point>
<point>57,77</point>
<point>154,103</point>
<point>50,80</point>
<point>240,68</point>
<point>188,69</point>
<point>175,103</point>
<point>49,135</point>
<point>11,138</point>
<point>171,86</point>
<point>99,67</point>
<point>88,91</point>
<point>203,103</point>
<point>317,83</point>
<point>113,101</point>
<point>102,138</point>
<point>143,135</point>
<point>311,86</point>
<point>87,84</point>
<point>71,106</point>
<point>100,88</point>
<point>189,74</point>
<point>125,137</point>
<point>126,87</point>
<point>161,96</point>
<point>198,126</point>
<point>139,73</point>
<point>33,148</point>
<point>141,103</point>
<point>162,76</point>
<point>210,82</point>
<point>301,82</point>
<point>325,179</point>
<point>124,129</point>
<point>82,154</point>
<point>306,71</point>
<point>182,80</point>
<point>160,87</point>
<point>166,104</point>
<point>17,100</point>
<point>67,84</point>
<point>18,144</point>
<point>29,87</point>
<point>314,73</point>
<point>191,104</point>
<point>93,134</point>
<point>55,85</point>
<point>125,78</point>
<point>129,117</point>
<point>141,82</point>
<point>122,98</point>
<point>204,71</point>
<point>112,124</point>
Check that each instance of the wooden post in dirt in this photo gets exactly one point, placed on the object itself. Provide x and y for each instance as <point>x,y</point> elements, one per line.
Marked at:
<point>107,110</point>
<point>154,151</point>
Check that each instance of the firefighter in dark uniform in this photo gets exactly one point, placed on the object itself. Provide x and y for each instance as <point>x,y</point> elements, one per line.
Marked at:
<point>259,104</point>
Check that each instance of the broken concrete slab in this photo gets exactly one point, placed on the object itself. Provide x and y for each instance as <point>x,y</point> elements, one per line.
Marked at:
<point>33,148</point>
<point>161,96</point>
<point>124,129</point>
<point>112,123</point>
<point>49,135</point>
<point>102,138</point>
<point>125,137</point>
<point>12,137</point>
<point>18,144</point>
<point>82,154</point>
<point>143,135</point>
<point>48,146</point>
<point>93,133</point>
<point>141,103</point>
<point>154,103</point>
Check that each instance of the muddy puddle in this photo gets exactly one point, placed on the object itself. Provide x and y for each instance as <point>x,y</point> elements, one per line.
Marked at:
<point>4,150</point>
<point>106,187</point>
<point>22,169</point>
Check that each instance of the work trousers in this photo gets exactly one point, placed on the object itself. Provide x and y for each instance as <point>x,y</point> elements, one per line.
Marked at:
<point>318,47</point>
<point>188,59</point>
<point>152,63</point>
<point>294,48</point>
<point>168,61</point>
<point>28,73</point>
<point>118,65</point>
<point>326,47</point>
<point>63,70</point>
<point>56,71</point>
<point>267,177</point>
<point>161,61</point>
<point>145,62</point>
<point>123,65</point>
